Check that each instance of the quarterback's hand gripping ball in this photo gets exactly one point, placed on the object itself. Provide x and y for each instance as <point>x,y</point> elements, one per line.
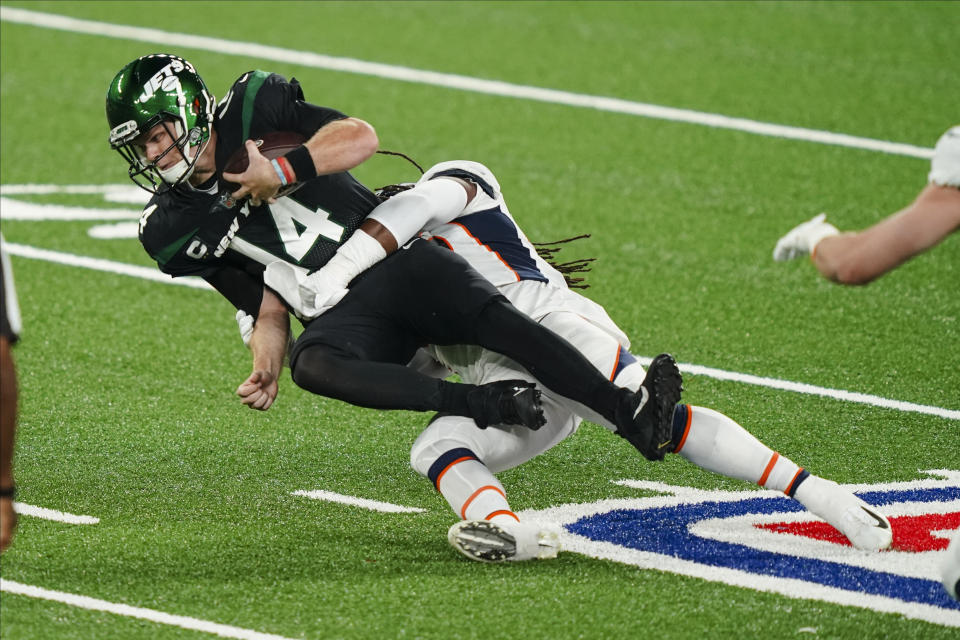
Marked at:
<point>250,171</point>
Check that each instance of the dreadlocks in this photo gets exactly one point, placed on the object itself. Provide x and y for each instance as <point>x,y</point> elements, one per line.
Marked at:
<point>390,190</point>
<point>546,250</point>
<point>402,155</point>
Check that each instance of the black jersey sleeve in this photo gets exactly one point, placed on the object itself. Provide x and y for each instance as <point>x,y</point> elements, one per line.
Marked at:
<point>260,102</point>
<point>244,291</point>
<point>298,114</point>
<point>187,234</point>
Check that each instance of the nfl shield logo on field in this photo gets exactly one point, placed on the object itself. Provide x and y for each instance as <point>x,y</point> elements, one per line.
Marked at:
<point>766,541</point>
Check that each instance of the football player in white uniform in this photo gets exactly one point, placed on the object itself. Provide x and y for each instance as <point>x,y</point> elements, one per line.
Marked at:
<point>862,256</point>
<point>459,204</point>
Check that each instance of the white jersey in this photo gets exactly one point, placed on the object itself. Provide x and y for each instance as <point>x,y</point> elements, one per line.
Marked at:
<point>485,233</point>
<point>945,165</point>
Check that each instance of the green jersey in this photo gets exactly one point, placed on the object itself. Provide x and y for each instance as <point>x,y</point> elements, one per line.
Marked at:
<point>201,231</point>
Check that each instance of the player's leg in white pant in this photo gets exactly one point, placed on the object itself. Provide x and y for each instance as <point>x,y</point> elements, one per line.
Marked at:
<point>602,349</point>
<point>714,442</point>
<point>460,460</point>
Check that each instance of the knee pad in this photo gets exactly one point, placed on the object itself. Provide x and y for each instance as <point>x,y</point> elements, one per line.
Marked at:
<point>312,364</point>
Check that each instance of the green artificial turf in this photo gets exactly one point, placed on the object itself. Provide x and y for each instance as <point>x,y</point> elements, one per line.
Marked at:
<point>127,385</point>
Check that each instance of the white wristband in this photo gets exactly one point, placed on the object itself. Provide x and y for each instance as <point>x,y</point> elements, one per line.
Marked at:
<point>818,233</point>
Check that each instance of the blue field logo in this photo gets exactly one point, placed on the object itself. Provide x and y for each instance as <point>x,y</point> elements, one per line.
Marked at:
<point>765,541</point>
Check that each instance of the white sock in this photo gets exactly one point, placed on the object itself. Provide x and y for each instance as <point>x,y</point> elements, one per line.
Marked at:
<point>471,490</point>
<point>716,443</point>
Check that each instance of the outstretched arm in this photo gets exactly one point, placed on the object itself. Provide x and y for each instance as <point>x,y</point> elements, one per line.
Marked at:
<point>269,345</point>
<point>860,257</point>
<point>396,221</point>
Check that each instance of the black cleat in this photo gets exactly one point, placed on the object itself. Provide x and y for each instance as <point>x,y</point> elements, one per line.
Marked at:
<point>506,402</point>
<point>645,419</point>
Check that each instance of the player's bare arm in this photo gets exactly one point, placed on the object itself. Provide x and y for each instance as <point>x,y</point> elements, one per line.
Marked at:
<point>268,344</point>
<point>859,258</point>
<point>338,146</point>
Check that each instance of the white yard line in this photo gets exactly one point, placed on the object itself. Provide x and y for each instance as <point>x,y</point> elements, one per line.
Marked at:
<point>13,209</point>
<point>99,264</point>
<point>184,622</point>
<point>809,389</point>
<point>171,40</point>
<point>373,505</point>
<point>25,251</point>
<point>51,514</point>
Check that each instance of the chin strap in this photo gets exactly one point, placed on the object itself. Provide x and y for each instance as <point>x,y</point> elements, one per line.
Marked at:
<point>182,171</point>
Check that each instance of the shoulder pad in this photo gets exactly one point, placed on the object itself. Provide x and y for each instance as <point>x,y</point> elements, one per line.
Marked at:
<point>468,170</point>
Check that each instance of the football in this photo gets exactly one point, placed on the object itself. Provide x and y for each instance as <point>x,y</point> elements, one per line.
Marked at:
<point>271,145</point>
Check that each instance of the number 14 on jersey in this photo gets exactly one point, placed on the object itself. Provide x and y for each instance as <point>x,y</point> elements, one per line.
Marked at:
<point>300,227</point>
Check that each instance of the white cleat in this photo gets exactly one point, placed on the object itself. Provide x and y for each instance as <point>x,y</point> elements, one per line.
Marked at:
<point>487,541</point>
<point>865,527</point>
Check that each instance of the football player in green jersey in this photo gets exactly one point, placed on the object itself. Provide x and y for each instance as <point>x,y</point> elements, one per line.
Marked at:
<point>176,141</point>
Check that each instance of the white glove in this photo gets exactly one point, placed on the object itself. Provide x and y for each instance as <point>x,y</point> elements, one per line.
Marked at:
<point>801,240</point>
<point>245,323</point>
<point>308,295</point>
<point>320,294</point>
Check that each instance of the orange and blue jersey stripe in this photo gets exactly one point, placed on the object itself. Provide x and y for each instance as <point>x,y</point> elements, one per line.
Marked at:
<point>494,230</point>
